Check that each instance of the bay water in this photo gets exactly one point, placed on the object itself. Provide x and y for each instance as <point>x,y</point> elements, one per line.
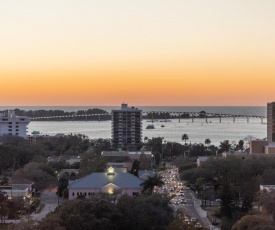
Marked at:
<point>197,131</point>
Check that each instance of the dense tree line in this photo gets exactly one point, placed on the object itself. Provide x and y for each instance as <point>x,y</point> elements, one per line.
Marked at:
<point>21,158</point>
<point>15,152</point>
<point>100,212</point>
<point>235,180</point>
<point>71,115</point>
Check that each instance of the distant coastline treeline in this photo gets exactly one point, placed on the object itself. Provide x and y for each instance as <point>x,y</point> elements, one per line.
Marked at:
<point>91,114</point>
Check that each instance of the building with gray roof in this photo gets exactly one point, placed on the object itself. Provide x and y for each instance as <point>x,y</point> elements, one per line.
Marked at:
<point>105,182</point>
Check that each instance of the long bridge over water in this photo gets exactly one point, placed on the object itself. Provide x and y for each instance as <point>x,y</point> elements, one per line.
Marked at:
<point>154,115</point>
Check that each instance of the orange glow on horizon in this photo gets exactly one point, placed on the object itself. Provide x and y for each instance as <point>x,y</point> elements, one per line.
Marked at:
<point>177,53</point>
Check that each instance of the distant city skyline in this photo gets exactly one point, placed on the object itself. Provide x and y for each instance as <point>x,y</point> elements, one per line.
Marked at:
<point>177,53</point>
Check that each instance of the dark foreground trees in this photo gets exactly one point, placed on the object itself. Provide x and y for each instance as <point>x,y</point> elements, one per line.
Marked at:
<point>234,180</point>
<point>254,222</point>
<point>100,213</point>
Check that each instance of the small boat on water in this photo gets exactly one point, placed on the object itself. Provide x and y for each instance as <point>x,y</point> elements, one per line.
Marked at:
<point>162,126</point>
<point>35,132</point>
<point>150,126</point>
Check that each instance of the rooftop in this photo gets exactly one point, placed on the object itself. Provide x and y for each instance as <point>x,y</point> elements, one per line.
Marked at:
<point>124,107</point>
<point>98,180</point>
<point>21,180</point>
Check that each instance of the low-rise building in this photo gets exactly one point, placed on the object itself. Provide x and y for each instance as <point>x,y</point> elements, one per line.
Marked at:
<point>267,188</point>
<point>69,172</point>
<point>258,146</point>
<point>235,153</point>
<point>261,147</point>
<point>201,160</point>
<point>19,187</point>
<point>105,182</point>
<point>144,157</point>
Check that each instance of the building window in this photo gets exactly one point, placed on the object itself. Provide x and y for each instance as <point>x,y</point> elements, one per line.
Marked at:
<point>73,194</point>
<point>135,193</point>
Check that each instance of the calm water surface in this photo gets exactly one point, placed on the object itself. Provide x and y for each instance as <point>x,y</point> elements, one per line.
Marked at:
<point>197,131</point>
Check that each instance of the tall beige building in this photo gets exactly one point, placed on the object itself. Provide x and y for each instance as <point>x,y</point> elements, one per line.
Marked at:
<point>126,126</point>
<point>271,122</point>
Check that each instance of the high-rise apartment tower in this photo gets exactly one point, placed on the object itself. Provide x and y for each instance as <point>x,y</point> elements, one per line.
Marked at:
<point>13,125</point>
<point>126,126</point>
<point>271,122</point>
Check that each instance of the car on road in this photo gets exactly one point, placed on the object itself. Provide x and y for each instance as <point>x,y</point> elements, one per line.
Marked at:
<point>193,219</point>
<point>183,201</point>
<point>198,225</point>
<point>181,193</point>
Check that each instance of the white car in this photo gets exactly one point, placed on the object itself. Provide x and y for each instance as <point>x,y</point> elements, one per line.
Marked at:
<point>181,193</point>
<point>198,225</point>
<point>193,219</point>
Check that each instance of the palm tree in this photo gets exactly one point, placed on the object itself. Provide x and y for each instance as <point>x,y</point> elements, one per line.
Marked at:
<point>225,146</point>
<point>241,144</point>
<point>151,182</point>
<point>184,137</point>
<point>207,141</point>
<point>145,139</point>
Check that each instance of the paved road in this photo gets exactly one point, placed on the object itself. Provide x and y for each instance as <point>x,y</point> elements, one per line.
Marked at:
<point>50,199</point>
<point>187,205</point>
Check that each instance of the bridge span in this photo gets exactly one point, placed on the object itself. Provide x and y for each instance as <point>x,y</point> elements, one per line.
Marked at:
<point>154,116</point>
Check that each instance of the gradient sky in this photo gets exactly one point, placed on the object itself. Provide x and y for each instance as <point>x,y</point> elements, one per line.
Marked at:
<point>142,52</point>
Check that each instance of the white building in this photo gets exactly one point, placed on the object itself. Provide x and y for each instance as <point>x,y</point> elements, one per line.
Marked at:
<point>13,125</point>
<point>105,182</point>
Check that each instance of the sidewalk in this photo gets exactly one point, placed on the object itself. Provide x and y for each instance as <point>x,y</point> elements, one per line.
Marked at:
<point>201,212</point>
<point>44,212</point>
<point>50,199</point>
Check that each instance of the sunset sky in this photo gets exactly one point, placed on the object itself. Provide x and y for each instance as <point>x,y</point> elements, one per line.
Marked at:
<point>142,52</point>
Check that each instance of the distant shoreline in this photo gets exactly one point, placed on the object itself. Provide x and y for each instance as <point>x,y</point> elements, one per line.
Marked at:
<point>245,110</point>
